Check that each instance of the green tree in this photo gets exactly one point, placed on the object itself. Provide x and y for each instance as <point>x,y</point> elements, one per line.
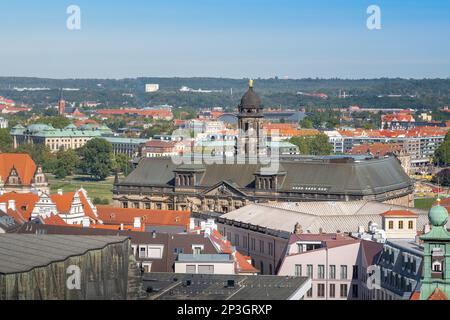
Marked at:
<point>442,177</point>
<point>66,162</point>
<point>320,145</point>
<point>306,124</point>
<point>442,154</point>
<point>57,122</point>
<point>312,145</point>
<point>96,158</point>
<point>122,163</point>
<point>6,141</point>
<point>41,155</point>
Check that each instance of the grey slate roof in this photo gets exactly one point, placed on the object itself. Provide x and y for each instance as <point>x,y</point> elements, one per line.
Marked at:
<point>172,286</point>
<point>367,177</point>
<point>24,252</point>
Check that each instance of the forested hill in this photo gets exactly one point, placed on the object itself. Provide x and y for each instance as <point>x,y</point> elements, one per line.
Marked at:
<point>383,93</point>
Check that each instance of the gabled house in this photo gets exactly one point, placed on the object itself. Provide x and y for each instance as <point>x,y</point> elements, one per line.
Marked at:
<point>19,173</point>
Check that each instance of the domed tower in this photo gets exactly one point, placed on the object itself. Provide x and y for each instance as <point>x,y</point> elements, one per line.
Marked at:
<point>250,121</point>
<point>436,265</point>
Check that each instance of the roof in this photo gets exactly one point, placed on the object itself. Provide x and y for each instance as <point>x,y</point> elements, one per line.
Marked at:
<point>22,162</point>
<point>358,178</point>
<point>318,216</point>
<point>437,295</point>
<point>173,286</point>
<point>182,257</point>
<point>399,213</point>
<point>24,203</point>
<point>113,215</point>
<point>24,252</point>
<point>250,100</point>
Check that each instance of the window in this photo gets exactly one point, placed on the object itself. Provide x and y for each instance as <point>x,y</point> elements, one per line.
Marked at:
<point>343,272</point>
<point>206,269</point>
<point>125,204</point>
<point>142,252</point>
<point>321,271</point>
<point>355,291</point>
<point>400,224</point>
<point>261,246</point>
<point>355,272</point>
<point>270,249</point>
<point>270,269</point>
<point>178,250</point>
<point>261,264</point>
<point>410,224</point>
<point>299,248</point>
<point>190,268</point>
<point>309,294</point>
<point>197,249</point>
<point>253,244</point>
<point>147,205</point>
<point>391,225</point>
<point>298,270</point>
<point>332,290</point>
<point>158,206</point>
<point>321,290</point>
<point>309,270</point>
<point>154,252</point>
<point>229,236</point>
<point>136,205</point>
<point>236,240</point>
<point>245,240</point>
<point>332,271</point>
<point>344,290</point>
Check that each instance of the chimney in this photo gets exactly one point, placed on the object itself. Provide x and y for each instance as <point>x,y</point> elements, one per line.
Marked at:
<point>60,192</point>
<point>153,234</point>
<point>121,226</point>
<point>3,207</point>
<point>12,205</point>
<point>192,224</point>
<point>86,222</point>
<point>137,222</point>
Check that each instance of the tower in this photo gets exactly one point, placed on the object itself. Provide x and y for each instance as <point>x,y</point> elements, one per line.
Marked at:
<point>436,266</point>
<point>61,104</point>
<point>250,122</point>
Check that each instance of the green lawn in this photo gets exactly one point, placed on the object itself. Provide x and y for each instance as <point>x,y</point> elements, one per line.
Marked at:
<point>99,189</point>
<point>424,203</point>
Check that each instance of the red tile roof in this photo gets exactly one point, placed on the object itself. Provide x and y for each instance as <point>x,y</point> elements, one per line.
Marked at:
<point>54,220</point>
<point>399,213</point>
<point>22,162</point>
<point>380,149</point>
<point>24,203</point>
<point>242,263</point>
<point>437,295</point>
<point>113,215</point>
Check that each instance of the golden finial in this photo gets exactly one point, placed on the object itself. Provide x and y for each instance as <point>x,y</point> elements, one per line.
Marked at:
<point>250,83</point>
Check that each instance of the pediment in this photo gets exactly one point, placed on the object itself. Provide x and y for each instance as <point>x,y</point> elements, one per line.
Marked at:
<point>225,189</point>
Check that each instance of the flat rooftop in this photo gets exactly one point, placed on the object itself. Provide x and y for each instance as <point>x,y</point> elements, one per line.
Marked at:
<point>172,286</point>
<point>182,257</point>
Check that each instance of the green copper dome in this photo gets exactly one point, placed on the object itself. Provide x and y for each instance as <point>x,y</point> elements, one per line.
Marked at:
<point>438,216</point>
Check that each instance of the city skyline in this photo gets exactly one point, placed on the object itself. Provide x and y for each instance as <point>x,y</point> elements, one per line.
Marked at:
<point>226,39</point>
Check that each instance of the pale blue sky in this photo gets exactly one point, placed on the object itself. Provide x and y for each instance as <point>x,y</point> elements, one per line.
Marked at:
<point>225,38</point>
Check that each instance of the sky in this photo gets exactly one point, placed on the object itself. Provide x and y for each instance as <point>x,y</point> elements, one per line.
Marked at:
<point>225,38</point>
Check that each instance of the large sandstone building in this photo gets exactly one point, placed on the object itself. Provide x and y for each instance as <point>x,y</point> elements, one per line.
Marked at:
<point>162,184</point>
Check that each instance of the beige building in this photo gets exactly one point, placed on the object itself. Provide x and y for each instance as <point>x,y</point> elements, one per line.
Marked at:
<point>68,138</point>
<point>400,224</point>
